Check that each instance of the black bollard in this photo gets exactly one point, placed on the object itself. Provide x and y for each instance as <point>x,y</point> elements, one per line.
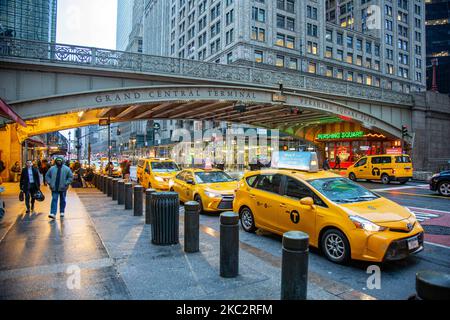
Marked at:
<point>191,227</point>
<point>138,200</point>
<point>128,196</point>
<point>100,182</point>
<point>148,206</point>
<point>229,245</point>
<point>94,180</point>
<point>433,285</point>
<point>294,266</point>
<point>110,186</point>
<point>121,192</point>
<point>105,184</point>
<point>115,189</point>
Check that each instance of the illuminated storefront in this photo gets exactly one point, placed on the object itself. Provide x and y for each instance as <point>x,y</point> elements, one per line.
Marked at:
<point>349,141</point>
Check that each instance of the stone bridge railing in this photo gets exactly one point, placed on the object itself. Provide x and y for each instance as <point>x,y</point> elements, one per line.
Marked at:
<point>126,61</point>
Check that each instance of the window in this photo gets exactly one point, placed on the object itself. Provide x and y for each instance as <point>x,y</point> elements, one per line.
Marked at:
<point>270,183</point>
<point>293,64</point>
<point>259,56</point>
<point>297,190</point>
<point>280,61</point>
<point>312,67</point>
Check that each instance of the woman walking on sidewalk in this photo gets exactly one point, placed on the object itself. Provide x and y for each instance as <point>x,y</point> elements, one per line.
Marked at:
<point>59,177</point>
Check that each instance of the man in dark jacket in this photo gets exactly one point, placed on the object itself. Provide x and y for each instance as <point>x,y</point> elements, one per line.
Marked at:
<point>29,184</point>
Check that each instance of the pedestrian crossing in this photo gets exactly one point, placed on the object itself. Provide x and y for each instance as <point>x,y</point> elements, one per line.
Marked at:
<point>424,214</point>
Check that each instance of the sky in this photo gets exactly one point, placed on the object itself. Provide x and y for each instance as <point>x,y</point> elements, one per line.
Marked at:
<point>89,23</point>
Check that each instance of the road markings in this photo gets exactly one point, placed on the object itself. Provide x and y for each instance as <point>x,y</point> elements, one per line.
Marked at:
<point>421,186</point>
<point>426,210</point>
<point>437,245</point>
<point>416,195</point>
<point>423,214</point>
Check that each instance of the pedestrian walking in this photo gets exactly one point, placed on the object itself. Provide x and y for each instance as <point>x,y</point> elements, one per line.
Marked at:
<point>326,164</point>
<point>59,177</point>
<point>29,184</point>
<point>15,171</point>
<point>337,163</point>
<point>43,170</point>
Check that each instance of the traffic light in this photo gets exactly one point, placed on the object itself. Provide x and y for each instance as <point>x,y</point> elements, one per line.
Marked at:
<point>404,131</point>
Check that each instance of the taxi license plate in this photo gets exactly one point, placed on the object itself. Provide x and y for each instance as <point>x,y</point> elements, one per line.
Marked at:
<point>413,243</point>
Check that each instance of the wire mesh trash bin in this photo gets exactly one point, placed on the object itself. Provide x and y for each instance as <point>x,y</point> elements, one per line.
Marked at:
<point>165,218</point>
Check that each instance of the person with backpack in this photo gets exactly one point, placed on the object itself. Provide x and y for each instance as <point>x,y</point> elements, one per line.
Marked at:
<point>59,177</point>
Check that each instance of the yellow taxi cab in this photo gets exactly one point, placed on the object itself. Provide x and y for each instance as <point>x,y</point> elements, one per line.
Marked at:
<point>156,173</point>
<point>343,219</point>
<point>212,189</point>
<point>385,167</point>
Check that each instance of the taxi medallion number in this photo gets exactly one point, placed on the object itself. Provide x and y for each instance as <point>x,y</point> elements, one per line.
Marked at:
<point>295,217</point>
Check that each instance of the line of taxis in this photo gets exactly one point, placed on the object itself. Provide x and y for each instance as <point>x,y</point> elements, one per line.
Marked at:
<point>345,220</point>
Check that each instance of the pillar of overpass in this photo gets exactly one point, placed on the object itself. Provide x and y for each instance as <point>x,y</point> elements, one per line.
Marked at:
<point>10,149</point>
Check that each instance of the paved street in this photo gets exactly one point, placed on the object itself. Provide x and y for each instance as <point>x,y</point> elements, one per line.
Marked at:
<point>113,251</point>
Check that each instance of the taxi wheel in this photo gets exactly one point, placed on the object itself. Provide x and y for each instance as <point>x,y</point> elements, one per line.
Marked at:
<point>444,188</point>
<point>385,178</point>
<point>335,246</point>
<point>199,200</point>
<point>352,176</point>
<point>247,220</point>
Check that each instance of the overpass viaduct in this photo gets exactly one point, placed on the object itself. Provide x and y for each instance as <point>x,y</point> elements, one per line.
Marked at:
<point>54,87</point>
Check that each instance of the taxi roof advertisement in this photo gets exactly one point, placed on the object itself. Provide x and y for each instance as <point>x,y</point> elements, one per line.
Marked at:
<point>305,161</point>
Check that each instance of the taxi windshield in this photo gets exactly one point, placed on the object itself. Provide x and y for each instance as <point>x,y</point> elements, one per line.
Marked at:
<point>212,177</point>
<point>164,166</point>
<point>342,190</point>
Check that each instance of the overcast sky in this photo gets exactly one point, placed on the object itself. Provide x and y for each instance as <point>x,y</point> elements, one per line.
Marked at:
<point>89,23</point>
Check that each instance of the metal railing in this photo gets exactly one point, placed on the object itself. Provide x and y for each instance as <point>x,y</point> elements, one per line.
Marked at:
<point>136,62</point>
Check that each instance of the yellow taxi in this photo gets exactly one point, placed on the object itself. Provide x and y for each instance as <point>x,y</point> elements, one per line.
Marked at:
<point>386,168</point>
<point>343,219</point>
<point>212,189</point>
<point>156,173</point>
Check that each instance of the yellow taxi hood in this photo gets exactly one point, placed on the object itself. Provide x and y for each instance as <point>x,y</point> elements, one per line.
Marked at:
<point>378,211</point>
<point>222,187</point>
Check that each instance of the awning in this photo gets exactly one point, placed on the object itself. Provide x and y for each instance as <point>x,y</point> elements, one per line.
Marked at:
<point>7,112</point>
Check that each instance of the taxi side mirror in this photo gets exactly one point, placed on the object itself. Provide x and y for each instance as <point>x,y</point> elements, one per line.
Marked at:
<point>308,201</point>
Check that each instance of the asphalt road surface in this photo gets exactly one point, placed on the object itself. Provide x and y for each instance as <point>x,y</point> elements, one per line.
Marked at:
<point>397,278</point>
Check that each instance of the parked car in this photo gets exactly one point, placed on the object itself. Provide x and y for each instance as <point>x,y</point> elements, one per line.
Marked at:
<point>440,182</point>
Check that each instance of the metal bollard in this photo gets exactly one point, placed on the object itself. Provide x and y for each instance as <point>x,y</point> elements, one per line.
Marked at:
<point>94,180</point>
<point>229,245</point>
<point>191,226</point>
<point>294,266</point>
<point>148,205</point>
<point>110,186</point>
<point>100,182</point>
<point>138,200</point>
<point>105,184</point>
<point>121,192</point>
<point>433,285</point>
<point>115,189</point>
<point>128,196</point>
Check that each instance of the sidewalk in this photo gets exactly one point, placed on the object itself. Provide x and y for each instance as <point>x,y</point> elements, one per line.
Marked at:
<point>117,260</point>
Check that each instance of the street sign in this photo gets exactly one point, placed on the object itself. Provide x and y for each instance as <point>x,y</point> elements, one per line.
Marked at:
<point>104,122</point>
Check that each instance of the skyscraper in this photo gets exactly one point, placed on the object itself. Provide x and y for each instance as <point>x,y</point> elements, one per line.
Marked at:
<point>30,20</point>
<point>124,23</point>
<point>438,42</point>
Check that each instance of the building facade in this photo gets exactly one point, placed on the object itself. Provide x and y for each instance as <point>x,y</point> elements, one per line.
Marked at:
<point>31,20</point>
<point>373,42</point>
<point>124,23</point>
<point>438,43</point>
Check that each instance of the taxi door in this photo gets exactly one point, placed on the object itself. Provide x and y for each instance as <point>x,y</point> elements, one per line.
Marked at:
<point>265,196</point>
<point>179,184</point>
<point>188,189</point>
<point>292,215</point>
<point>375,168</point>
<point>361,169</point>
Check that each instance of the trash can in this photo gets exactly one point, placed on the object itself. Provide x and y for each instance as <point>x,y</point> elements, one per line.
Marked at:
<point>165,218</point>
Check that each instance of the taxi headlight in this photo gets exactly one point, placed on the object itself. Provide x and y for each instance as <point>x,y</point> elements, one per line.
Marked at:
<point>210,194</point>
<point>159,179</point>
<point>365,224</point>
